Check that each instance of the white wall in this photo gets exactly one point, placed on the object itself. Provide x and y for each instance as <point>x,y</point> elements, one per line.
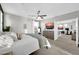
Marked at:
<point>17,23</point>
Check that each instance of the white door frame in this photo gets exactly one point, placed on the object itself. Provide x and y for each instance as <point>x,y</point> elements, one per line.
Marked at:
<point>77,23</point>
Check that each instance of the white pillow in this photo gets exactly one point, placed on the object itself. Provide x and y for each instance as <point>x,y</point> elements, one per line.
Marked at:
<point>13,35</point>
<point>5,41</point>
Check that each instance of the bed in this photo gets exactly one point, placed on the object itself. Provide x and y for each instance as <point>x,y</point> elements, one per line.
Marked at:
<point>6,43</point>
<point>27,45</point>
<point>30,43</point>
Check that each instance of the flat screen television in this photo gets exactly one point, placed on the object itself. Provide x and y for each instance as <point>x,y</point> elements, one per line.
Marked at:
<point>49,25</point>
<point>66,28</point>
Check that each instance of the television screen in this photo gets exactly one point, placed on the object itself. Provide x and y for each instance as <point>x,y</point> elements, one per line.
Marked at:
<point>49,25</point>
<point>66,28</point>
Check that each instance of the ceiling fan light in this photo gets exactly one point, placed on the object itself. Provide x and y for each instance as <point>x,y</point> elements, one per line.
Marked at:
<point>39,18</point>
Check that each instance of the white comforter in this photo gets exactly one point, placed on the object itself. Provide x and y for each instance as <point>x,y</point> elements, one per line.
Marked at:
<point>29,44</point>
<point>25,46</point>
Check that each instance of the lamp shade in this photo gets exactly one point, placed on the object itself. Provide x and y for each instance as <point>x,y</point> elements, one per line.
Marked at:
<point>60,27</point>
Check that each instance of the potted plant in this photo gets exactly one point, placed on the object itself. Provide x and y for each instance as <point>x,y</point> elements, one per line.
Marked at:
<point>7,29</point>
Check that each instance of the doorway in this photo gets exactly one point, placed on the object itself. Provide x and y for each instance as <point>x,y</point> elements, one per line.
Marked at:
<point>67,28</point>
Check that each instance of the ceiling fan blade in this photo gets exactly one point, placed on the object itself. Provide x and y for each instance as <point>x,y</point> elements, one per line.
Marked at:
<point>43,15</point>
<point>38,12</point>
<point>32,15</point>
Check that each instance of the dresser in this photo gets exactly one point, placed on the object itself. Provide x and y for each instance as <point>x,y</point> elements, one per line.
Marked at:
<point>49,33</point>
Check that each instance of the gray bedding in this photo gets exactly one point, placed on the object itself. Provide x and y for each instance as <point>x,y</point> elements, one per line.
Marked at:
<point>43,42</point>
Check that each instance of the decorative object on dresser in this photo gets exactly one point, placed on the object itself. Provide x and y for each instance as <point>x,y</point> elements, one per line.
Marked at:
<point>60,28</point>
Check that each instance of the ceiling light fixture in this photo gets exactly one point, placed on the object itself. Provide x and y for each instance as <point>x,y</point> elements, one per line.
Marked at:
<point>39,18</point>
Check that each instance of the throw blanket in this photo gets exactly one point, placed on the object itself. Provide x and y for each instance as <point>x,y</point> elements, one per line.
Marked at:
<point>43,42</point>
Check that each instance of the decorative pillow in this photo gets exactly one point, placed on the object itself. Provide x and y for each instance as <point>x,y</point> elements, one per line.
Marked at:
<point>13,35</point>
<point>5,41</point>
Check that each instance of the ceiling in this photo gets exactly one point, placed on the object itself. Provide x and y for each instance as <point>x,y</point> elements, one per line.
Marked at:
<point>51,9</point>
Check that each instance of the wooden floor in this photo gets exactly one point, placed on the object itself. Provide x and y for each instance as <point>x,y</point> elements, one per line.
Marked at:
<point>62,46</point>
<point>64,42</point>
<point>51,51</point>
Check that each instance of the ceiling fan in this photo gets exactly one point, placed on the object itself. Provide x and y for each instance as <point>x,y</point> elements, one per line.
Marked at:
<point>38,16</point>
